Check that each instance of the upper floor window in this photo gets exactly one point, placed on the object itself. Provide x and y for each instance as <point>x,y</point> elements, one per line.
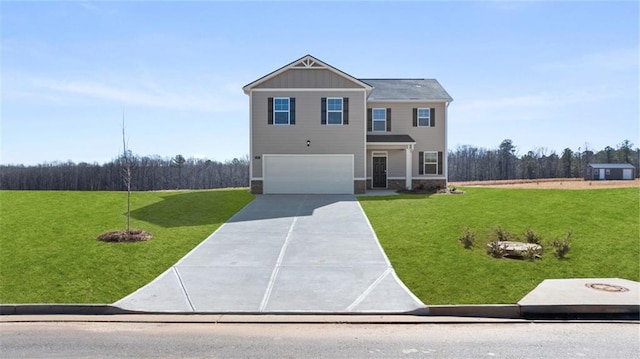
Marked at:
<point>334,111</point>
<point>424,117</point>
<point>379,116</point>
<point>281,110</point>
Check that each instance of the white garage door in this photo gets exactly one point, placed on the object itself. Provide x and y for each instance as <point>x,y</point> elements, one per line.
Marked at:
<point>311,174</point>
<point>627,173</point>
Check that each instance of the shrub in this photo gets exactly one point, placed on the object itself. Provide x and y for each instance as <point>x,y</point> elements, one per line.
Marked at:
<point>532,237</point>
<point>495,249</point>
<point>502,235</point>
<point>561,247</point>
<point>530,253</point>
<point>467,238</point>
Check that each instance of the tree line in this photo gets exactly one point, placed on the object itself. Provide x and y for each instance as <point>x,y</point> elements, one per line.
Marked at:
<point>469,163</point>
<point>148,173</point>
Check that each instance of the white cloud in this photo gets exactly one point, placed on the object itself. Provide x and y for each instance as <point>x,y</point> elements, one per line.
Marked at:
<point>616,60</point>
<point>530,102</point>
<point>208,99</point>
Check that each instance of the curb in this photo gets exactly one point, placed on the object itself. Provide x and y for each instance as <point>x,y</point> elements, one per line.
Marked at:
<point>70,309</point>
<point>494,311</point>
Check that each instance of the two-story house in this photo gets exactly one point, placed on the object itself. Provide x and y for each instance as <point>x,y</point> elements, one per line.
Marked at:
<point>316,129</point>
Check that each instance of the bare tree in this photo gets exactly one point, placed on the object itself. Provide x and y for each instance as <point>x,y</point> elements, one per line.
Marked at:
<point>126,175</point>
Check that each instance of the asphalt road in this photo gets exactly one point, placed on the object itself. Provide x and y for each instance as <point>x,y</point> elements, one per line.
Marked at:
<point>206,340</point>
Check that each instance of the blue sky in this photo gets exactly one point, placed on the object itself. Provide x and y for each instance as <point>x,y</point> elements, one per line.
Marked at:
<point>543,74</point>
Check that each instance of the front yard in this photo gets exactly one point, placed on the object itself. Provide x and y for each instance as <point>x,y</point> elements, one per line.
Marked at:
<point>420,236</point>
<point>49,252</point>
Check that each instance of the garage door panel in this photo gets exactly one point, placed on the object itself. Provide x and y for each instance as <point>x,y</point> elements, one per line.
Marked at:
<point>312,174</point>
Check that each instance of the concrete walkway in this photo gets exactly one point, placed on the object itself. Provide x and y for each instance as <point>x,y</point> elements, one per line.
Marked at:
<point>283,254</point>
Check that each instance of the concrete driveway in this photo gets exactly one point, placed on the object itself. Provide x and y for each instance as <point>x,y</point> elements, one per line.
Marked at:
<point>283,254</point>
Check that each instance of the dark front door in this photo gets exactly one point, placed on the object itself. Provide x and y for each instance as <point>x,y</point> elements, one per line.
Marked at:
<point>379,172</point>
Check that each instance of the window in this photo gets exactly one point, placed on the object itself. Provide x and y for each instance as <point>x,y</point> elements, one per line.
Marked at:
<point>281,110</point>
<point>379,119</point>
<point>334,111</point>
<point>424,117</point>
<point>430,163</point>
<point>607,171</point>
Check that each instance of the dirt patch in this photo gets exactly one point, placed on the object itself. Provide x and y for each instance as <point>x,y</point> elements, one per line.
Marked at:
<point>134,235</point>
<point>550,183</point>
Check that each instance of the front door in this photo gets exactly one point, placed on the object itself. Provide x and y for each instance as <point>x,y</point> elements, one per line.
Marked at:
<point>602,174</point>
<point>379,172</point>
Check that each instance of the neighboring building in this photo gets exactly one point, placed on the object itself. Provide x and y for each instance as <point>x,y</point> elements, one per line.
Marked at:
<point>610,171</point>
<point>316,129</point>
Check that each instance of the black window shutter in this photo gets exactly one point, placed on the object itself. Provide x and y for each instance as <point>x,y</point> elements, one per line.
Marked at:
<point>292,111</point>
<point>345,111</point>
<point>432,117</point>
<point>323,112</point>
<point>270,110</point>
<point>415,117</point>
<point>369,119</point>
<point>421,162</point>
<point>388,120</point>
<point>439,162</point>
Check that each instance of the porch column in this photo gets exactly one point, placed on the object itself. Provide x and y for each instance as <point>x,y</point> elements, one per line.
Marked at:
<point>408,159</point>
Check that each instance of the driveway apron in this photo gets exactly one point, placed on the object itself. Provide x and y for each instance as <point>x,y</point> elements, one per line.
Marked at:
<point>283,254</point>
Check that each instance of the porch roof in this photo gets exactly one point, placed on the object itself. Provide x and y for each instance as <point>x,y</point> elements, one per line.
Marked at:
<point>380,139</point>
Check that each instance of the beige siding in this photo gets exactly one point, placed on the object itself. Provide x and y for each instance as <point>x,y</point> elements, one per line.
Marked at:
<point>292,139</point>
<point>308,78</point>
<point>427,138</point>
<point>395,162</point>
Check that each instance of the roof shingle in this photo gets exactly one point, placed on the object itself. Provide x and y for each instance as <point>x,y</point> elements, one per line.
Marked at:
<point>407,89</point>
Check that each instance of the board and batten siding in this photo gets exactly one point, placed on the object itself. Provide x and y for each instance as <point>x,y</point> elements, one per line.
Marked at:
<point>427,138</point>
<point>292,139</point>
<point>308,78</point>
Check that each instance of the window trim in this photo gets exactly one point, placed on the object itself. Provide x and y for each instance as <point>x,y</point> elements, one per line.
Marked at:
<point>288,111</point>
<point>428,118</point>
<point>424,162</point>
<point>334,111</point>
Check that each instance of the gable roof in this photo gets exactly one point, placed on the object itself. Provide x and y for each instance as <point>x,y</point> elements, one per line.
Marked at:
<point>305,62</point>
<point>407,89</point>
<point>611,165</point>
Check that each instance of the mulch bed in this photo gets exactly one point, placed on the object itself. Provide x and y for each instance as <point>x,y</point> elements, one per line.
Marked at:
<point>134,235</point>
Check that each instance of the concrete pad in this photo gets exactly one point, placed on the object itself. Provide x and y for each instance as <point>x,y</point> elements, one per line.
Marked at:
<point>320,289</point>
<point>583,295</point>
<point>164,294</point>
<point>245,224</point>
<point>283,253</point>
<point>225,289</point>
<point>243,249</point>
<point>388,295</point>
<point>332,249</point>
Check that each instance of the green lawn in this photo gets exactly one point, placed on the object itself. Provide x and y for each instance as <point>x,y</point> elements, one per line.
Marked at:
<point>49,252</point>
<point>420,236</point>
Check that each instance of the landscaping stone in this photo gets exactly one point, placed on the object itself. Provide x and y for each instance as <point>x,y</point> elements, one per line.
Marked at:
<point>516,249</point>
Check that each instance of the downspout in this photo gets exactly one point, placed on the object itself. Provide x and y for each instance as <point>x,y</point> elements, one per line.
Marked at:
<point>446,148</point>
<point>251,158</point>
